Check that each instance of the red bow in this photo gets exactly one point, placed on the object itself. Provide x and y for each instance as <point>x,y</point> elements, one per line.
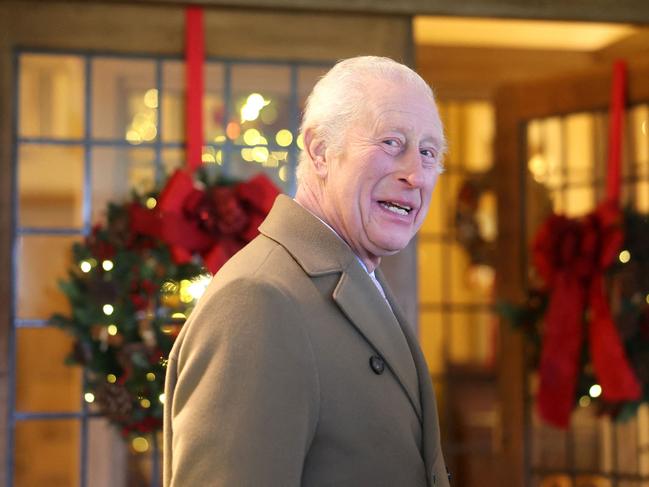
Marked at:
<point>214,223</point>
<point>572,256</point>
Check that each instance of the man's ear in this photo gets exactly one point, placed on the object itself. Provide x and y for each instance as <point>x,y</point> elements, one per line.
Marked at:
<point>316,148</point>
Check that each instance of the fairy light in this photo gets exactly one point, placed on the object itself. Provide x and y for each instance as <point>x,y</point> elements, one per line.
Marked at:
<point>150,376</point>
<point>595,390</point>
<point>108,309</point>
<point>151,203</point>
<point>161,398</point>
<point>140,444</point>
<point>284,138</point>
<point>85,266</point>
<point>89,397</point>
<point>107,265</point>
<point>145,403</point>
<point>111,378</point>
<point>112,330</point>
<point>625,256</point>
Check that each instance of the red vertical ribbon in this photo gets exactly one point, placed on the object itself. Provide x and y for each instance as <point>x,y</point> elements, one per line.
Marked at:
<point>616,127</point>
<point>194,60</point>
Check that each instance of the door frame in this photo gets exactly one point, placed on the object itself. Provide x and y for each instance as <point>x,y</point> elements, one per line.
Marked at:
<point>516,104</point>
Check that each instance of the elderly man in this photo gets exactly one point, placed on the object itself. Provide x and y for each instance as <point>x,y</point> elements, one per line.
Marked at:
<point>297,367</point>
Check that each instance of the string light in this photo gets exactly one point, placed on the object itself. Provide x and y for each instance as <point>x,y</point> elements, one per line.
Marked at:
<point>145,403</point>
<point>151,98</point>
<point>111,378</point>
<point>283,173</point>
<point>150,376</point>
<point>300,142</point>
<point>112,330</point>
<point>107,265</point>
<point>161,398</point>
<point>251,137</point>
<point>625,256</point>
<point>108,309</point>
<point>595,390</point>
<point>85,266</point>
<point>151,203</point>
<point>284,138</point>
<point>584,401</point>
<point>89,397</point>
<point>253,105</point>
<point>140,444</point>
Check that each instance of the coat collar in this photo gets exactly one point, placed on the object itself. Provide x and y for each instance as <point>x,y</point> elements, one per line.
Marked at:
<point>319,251</point>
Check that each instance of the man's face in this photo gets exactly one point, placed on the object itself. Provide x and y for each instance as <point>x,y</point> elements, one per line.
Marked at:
<point>378,189</point>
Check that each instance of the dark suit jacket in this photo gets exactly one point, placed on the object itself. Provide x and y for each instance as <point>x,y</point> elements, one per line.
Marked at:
<point>294,371</point>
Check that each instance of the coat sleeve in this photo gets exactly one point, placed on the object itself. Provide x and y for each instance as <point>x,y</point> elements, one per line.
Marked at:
<point>244,392</point>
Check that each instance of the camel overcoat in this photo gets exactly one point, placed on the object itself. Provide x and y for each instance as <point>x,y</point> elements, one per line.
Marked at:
<point>293,370</point>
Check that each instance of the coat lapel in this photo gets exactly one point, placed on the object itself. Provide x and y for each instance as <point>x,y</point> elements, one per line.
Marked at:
<point>299,232</point>
<point>432,453</point>
<point>361,302</point>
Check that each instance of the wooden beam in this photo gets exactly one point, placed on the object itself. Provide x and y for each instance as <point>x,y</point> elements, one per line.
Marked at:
<point>477,73</point>
<point>631,11</point>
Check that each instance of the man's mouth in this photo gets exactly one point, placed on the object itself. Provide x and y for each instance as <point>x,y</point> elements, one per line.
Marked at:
<point>397,208</point>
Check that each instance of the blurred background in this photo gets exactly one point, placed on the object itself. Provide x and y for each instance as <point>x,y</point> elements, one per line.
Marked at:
<point>92,107</point>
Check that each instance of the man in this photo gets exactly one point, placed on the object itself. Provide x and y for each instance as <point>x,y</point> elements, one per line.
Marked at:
<point>297,368</point>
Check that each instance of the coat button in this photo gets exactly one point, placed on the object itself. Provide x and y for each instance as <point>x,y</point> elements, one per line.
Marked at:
<point>377,364</point>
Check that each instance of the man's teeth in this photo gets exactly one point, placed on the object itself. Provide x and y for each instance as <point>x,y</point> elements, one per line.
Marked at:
<point>395,208</point>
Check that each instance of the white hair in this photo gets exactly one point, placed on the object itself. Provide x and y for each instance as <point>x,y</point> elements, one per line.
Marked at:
<point>337,99</point>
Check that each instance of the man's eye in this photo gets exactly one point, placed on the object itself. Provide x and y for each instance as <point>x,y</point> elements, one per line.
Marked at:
<point>427,153</point>
<point>391,142</point>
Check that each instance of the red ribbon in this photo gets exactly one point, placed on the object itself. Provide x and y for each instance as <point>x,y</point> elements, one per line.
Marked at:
<point>214,223</point>
<point>571,256</point>
<point>194,59</point>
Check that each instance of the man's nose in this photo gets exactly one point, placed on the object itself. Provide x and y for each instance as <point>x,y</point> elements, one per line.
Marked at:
<point>412,169</point>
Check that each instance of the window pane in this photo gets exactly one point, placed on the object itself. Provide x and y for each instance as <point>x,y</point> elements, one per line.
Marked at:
<point>43,381</point>
<point>249,161</point>
<point>549,445</point>
<point>479,121</point>
<point>47,453</point>
<point>468,282</point>
<point>579,147</point>
<point>439,210</point>
<point>42,261</point>
<point>173,102</point>
<point>107,454</point>
<point>432,340</point>
<point>431,276</point>
<point>307,77</point>
<point>116,173</point>
<point>472,338</point>
<point>579,201</point>
<point>50,186</point>
<point>51,96</point>
<point>124,100</point>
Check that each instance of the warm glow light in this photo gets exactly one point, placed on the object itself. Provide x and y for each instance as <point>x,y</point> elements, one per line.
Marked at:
<point>280,155</point>
<point>85,266</point>
<point>196,288</point>
<point>647,298</point>
<point>246,154</point>
<point>219,157</point>
<point>151,203</point>
<point>537,165</point>
<point>300,142</point>
<point>283,173</point>
<point>151,98</point>
<point>251,136</point>
<point>284,138</point>
<point>149,132</point>
<point>254,104</point>
<point>208,158</point>
<point>595,390</point>
<point>269,115</point>
<point>233,130</point>
<point>108,309</point>
<point>643,127</point>
<point>112,330</point>
<point>107,265</point>
<point>219,139</point>
<point>584,401</point>
<point>140,444</point>
<point>111,378</point>
<point>260,154</point>
<point>625,256</point>
<point>89,397</point>
<point>150,376</point>
<point>133,137</point>
<point>161,398</point>
<point>179,316</point>
<point>145,403</point>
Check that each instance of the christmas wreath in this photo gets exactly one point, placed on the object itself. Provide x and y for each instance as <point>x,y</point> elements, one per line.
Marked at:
<point>588,317</point>
<point>584,267</point>
<point>136,277</point>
